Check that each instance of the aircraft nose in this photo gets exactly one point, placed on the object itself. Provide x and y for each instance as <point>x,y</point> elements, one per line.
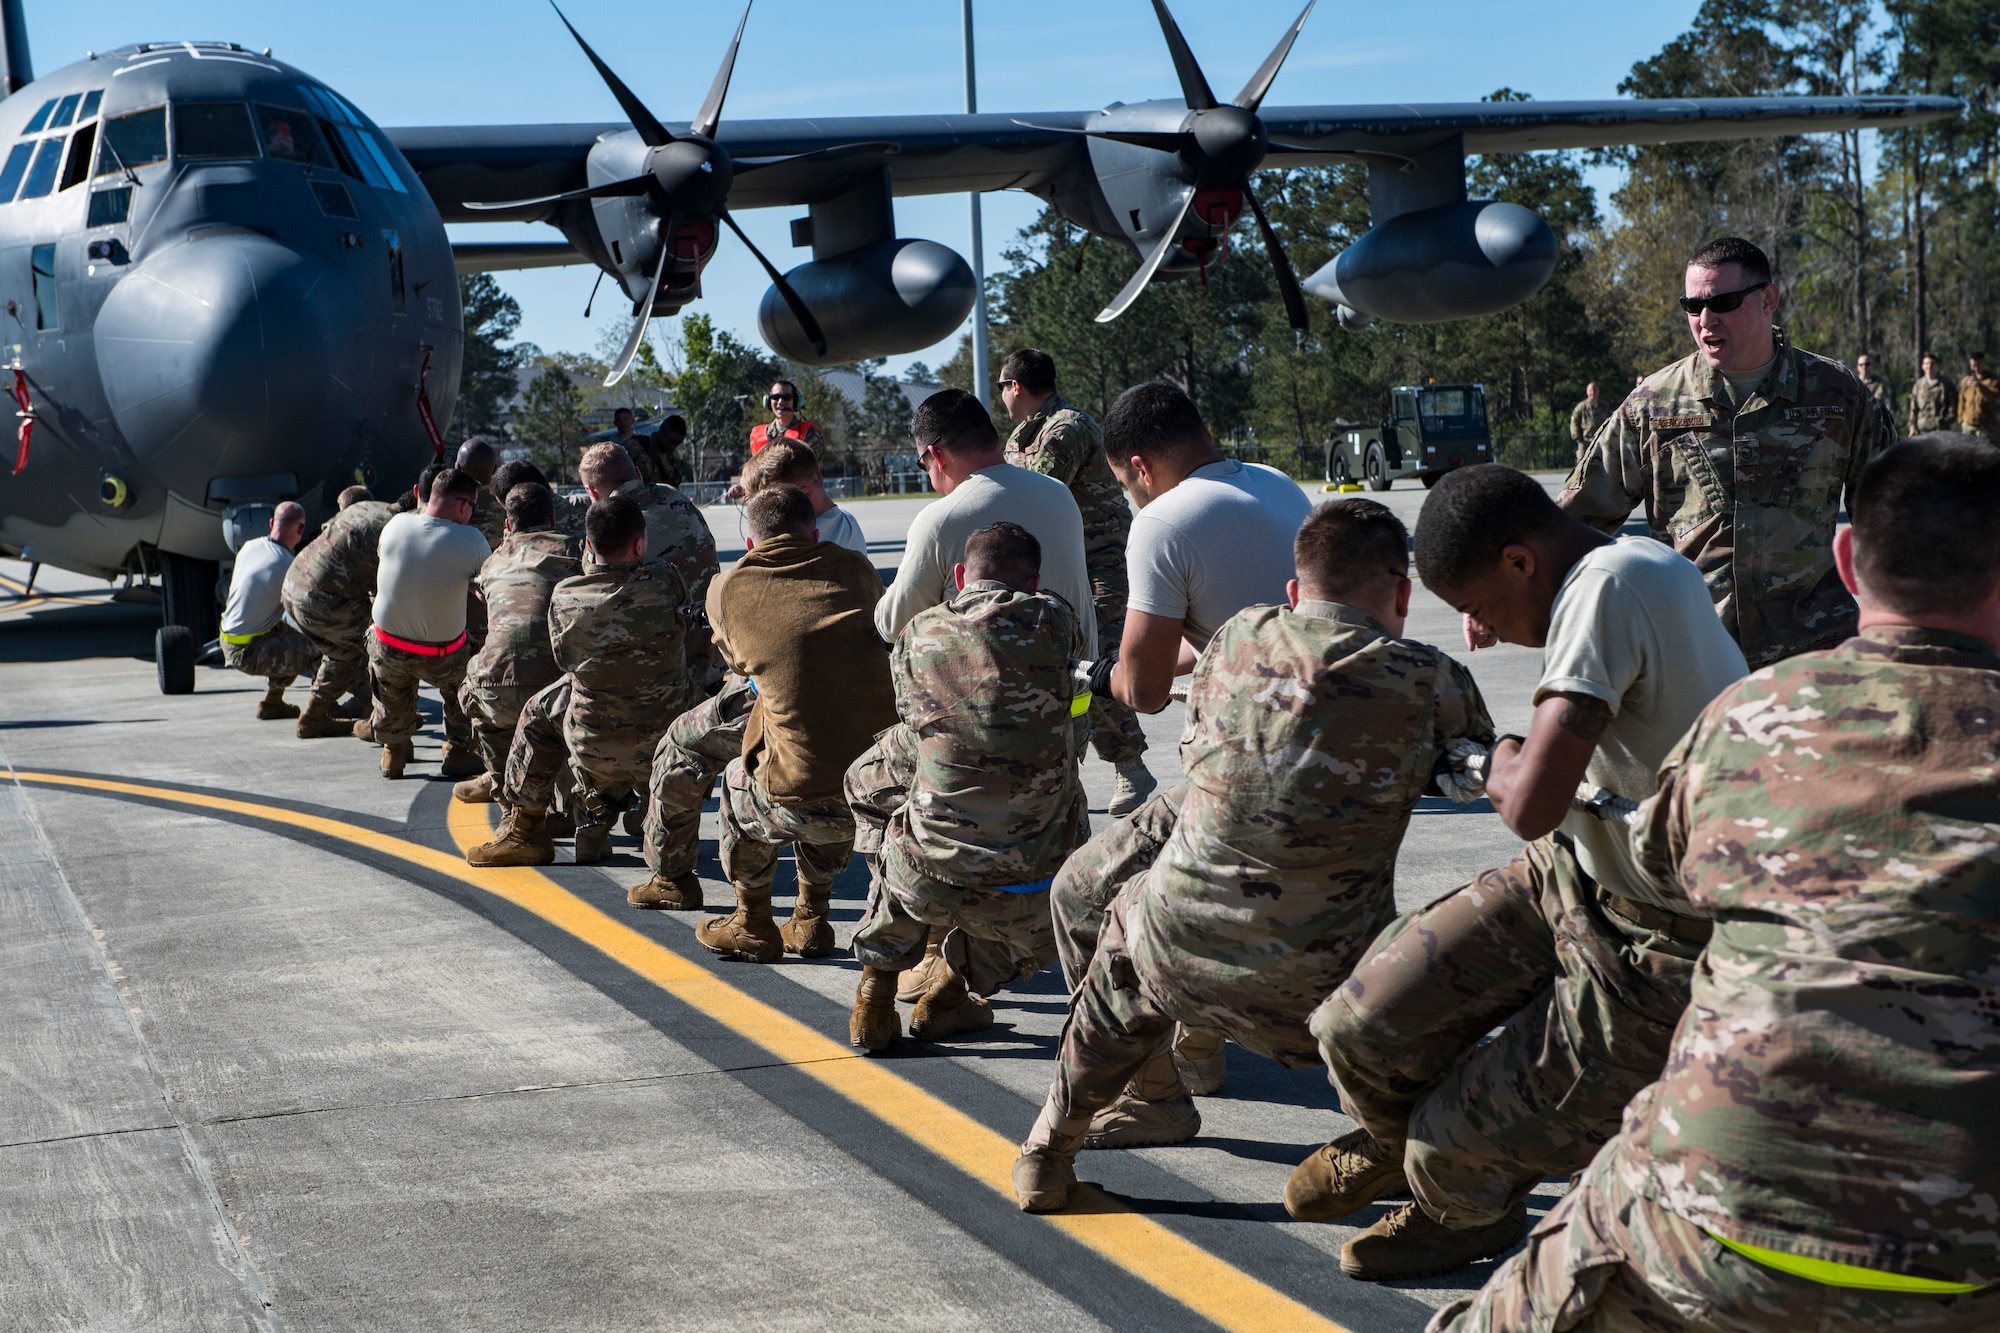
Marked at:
<point>215,356</point>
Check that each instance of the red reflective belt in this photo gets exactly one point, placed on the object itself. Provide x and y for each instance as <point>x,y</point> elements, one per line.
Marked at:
<point>388,640</point>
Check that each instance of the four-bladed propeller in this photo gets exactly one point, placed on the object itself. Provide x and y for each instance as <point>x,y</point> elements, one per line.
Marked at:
<point>687,179</point>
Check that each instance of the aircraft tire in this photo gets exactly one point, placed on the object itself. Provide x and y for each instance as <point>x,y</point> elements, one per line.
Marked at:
<point>173,655</point>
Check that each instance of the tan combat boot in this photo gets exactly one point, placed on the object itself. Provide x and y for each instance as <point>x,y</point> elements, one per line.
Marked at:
<point>912,984</point>
<point>1134,783</point>
<point>948,1008</point>
<point>874,1024</point>
<point>1045,1170</point>
<point>1408,1243</point>
<point>809,934</point>
<point>635,821</point>
<point>1348,1174</point>
<point>523,840</point>
<point>748,933</point>
<point>353,708</point>
<point>460,761</point>
<point>481,790</point>
<point>318,720</point>
<point>395,756</point>
<point>1154,1109</point>
<point>364,729</point>
<point>1198,1056</point>
<point>273,708</point>
<point>680,894</point>
<point>593,843</point>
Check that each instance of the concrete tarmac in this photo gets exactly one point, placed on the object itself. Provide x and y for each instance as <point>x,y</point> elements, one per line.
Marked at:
<point>275,1057</point>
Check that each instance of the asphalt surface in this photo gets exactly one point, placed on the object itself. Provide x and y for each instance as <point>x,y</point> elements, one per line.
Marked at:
<point>273,1056</point>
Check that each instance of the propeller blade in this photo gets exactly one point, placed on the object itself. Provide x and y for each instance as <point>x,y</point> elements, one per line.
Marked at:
<point>798,307</point>
<point>1164,141</point>
<point>1288,282</point>
<point>710,115</point>
<point>1194,87</point>
<point>1168,240</point>
<point>650,130</point>
<point>643,315</point>
<point>885,148</point>
<point>631,185</point>
<point>1253,92</point>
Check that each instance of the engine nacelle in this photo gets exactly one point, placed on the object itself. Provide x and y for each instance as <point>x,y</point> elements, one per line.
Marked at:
<point>880,300</point>
<point>1455,261</point>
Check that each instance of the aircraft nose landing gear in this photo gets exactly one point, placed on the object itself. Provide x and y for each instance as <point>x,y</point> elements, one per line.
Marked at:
<point>191,619</point>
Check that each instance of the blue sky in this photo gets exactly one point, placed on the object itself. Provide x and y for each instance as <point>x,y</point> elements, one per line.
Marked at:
<point>509,61</point>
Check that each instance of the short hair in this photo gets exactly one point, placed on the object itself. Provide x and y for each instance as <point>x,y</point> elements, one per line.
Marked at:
<point>789,385</point>
<point>520,472</point>
<point>1006,552</point>
<point>956,422</point>
<point>1975,356</point>
<point>1756,265</point>
<point>1924,537</point>
<point>453,482</point>
<point>606,466</point>
<point>676,425</point>
<point>530,506</point>
<point>353,495</point>
<point>1031,368</point>
<point>781,461</point>
<point>426,477</point>
<point>1153,420</point>
<point>778,511</point>
<point>617,412</point>
<point>1351,548</point>
<point>1864,356</point>
<point>1472,514</point>
<point>613,524</point>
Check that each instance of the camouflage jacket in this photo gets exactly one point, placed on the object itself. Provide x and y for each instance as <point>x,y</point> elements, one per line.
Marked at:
<point>1310,736</point>
<point>1750,495</point>
<point>678,534</point>
<point>1063,442</point>
<point>617,631</point>
<point>338,566</point>
<point>1931,406</point>
<point>983,685</point>
<point>1878,389</point>
<point>490,517</point>
<point>516,583</point>
<point>1833,1083</point>
<point>1585,418</point>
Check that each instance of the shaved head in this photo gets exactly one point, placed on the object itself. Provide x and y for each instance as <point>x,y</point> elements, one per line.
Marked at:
<point>606,466</point>
<point>288,524</point>
<point>478,456</point>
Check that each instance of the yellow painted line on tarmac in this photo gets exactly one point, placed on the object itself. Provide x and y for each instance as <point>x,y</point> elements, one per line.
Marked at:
<point>1211,1287</point>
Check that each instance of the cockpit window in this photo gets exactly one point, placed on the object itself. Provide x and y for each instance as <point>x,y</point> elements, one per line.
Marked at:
<point>290,136</point>
<point>91,100</point>
<point>361,153</point>
<point>65,111</point>
<point>133,141</point>
<point>42,175</point>
<point>40,120</point>
<point>17,167</point>
<point>210,130</point>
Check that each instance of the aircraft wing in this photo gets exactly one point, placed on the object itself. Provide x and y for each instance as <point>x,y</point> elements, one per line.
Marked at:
<point>950,154</point>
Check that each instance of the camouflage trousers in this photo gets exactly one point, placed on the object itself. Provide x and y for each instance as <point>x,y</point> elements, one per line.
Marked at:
<point>277,655</point>
<point>493,712</point>
<point>1114,728</point>
<point>1113,1027</point>
<point>698,745</point>
<point>1607,1258</point>
<point>991,937</point>
<point>340,632</point>
<point>1098,872</point>
<point>1585,1005</point>
<point>540,761</point>
<point>395,676</point>
<point>755,827</point>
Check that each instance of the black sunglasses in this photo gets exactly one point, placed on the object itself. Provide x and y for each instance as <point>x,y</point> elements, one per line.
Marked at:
<point>1722,302</point>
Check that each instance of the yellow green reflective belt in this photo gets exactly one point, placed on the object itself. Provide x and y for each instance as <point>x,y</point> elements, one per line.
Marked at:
<point>1079,704</point>
<point>1830,1274</point>
<point>240,639</point>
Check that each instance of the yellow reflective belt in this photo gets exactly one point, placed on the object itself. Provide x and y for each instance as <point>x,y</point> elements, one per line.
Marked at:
<point>1830,1274</point>
<point>1080,704</point>
<point>240,639</point>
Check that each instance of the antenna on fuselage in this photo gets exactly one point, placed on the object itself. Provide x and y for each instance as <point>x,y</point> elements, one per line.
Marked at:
<point>17,71</point>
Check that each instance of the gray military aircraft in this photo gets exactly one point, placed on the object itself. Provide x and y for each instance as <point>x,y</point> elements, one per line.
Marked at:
<point>224,285</point>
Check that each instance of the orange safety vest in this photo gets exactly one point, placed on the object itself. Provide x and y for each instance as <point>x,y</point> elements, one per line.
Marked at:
<point>761,435</point>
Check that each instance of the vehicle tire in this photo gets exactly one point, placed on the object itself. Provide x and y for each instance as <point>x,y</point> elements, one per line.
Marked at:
<point>1430,479</point>
<point>1378,469</point>
<point>173,655</point>
<point>1341,475</point>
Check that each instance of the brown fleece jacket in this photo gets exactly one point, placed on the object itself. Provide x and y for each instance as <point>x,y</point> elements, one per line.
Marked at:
<point>797,618</point>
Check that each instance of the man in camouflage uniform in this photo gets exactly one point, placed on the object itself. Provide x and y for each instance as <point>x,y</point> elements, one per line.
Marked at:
<point>639,448</point>
<point>326,596</point>
<point>1931,401</point>
<point>1878,388</point>
<point>1819,1152</point>
<point>967,807</point>
<point>616,630</point>
<point>1569,952</point>
<point>1586,417</point>
<point>1741,454</point>
<point>1312,731</point>
<point>1060,440</point>
<point>1979,400</point>
<point>517,660</point>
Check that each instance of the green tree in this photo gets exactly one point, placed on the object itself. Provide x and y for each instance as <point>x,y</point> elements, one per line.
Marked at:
<point>486,381</point>
<point>718,384</point>
<point>551,419</point>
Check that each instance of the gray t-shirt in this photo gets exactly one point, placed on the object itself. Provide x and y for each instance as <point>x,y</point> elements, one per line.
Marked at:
<point>420,586</point>
<point>1633,625</point>
<point>255,586</point>
<point>1216,543</point>
<point>841,528</point>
